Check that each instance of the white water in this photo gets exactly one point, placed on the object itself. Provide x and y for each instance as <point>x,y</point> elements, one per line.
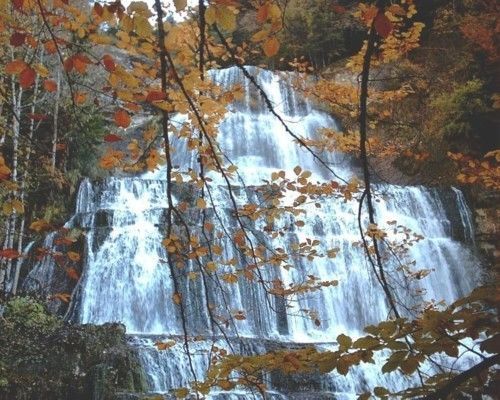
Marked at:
<point>126,277</point>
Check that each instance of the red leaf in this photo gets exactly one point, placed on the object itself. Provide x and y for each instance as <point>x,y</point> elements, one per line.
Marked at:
<point>155,95</point>
<point>37,117</point>
<point>18,4</point>
<point>109,63</point>
<point>382,25</point>
<point>27,78</point>
<point>112,138</point>
<point>9,253</point>
<point>339,9</point>
<point>17,39</point>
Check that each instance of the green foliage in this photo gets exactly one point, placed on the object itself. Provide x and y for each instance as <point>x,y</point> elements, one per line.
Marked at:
<point>84,135</point>
<point>25,313</point>
<point>461,116</point>
<point>314,30</point>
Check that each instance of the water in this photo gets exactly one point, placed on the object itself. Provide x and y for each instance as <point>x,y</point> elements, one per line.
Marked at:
<point>126,277</point>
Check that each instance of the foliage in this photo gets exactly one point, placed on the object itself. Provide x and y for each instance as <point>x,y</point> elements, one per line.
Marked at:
<point>55,49</point>
<point>28,314</point>
<point>460,115</point>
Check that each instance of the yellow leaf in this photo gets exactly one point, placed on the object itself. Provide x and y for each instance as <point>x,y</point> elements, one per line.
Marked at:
<point>164,345</point>
<point>73,256</point>
<point>177,298</point>
<point>201,203</point>
<point>39,225</point>
<point>230,278</point>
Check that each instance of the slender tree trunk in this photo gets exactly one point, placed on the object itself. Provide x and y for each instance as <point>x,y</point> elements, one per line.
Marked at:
<point>22,188</point>
<point>56,120</point>
<point>17,95</point>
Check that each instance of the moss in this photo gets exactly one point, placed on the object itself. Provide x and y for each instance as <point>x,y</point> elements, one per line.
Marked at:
<point>41,357</point>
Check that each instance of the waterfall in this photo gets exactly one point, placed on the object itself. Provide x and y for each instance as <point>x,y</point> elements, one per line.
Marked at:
<point>126,277</point>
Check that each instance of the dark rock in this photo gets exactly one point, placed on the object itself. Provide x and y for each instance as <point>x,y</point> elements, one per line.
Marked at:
<point>42,358</point>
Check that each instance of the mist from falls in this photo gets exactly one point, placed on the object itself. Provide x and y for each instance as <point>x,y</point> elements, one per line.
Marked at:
<point>126,277</point>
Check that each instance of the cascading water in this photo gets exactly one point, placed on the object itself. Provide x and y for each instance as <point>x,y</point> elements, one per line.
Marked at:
<point>126,277</point>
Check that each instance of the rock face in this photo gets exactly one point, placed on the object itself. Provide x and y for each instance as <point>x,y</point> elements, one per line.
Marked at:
<point>486,215</point>
<point>43,358</point>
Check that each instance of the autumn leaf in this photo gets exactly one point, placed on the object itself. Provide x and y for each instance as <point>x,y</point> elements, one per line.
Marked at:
<point>155,95</point>
<point>80,97</point>
<point>73,256</point>
<point>17,39</point>
<point>201,203</point>
<point>177,298</point>
<point>262,13</point>
<point>161,346</point>
<point>382,25</point>
<point>40,225</point>
<point>122,118</point>
<point>72,273</point>
<point>50,85</point>
<point>180,5</point>
<point>271,47</point>
<point>9,254</point>
<point>18,4</point>
<point>27,78</point>
<point>109,63</point>
<point>15,67</point>
<point>64,297</point>
<point>112,138</point>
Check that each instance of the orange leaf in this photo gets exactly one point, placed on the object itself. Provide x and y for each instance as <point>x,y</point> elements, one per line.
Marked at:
<point>271,47</point>
<point>382,25</point>
<point>50,47</point>
<point>9,253</point>
<point>80,97</point>
<point>15,67</point>
<point>50,85</point>
<point>122,118</point>
<point>27,78</point>
<point>80,63</point>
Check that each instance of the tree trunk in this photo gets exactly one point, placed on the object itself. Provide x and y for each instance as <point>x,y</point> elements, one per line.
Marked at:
<point>56,121</point>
